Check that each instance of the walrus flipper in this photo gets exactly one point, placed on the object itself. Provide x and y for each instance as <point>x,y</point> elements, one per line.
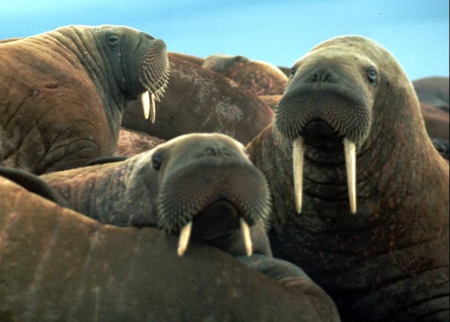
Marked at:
<point>31,182</point>
<point>105,160</point>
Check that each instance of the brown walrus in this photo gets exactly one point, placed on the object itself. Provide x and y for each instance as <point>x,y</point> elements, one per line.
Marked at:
<point>62,93</point>
<point>383,255</point>
<point>199,100</point>
<point>57,264</point>
<point>258,77</point>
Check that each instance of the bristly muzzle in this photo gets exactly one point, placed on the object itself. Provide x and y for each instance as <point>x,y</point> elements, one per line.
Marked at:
<point>154,76</point>
<point>185,193</point>
<point>350,119</point>
<point>345,120</point>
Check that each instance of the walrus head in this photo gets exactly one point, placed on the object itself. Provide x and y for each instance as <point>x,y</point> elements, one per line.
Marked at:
<point>204,185</point>
<point>142,65</point>
<point>137,61</point>
<point>214,185</point>
<point>327,107</point>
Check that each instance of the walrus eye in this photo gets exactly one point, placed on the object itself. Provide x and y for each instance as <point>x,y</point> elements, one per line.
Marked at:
<point>113,41</point>
<point>293,70</point>
<point>372,75</point>
<point>156,161</point>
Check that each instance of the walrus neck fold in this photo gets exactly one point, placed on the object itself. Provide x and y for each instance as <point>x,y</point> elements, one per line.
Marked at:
<point>89,53</point>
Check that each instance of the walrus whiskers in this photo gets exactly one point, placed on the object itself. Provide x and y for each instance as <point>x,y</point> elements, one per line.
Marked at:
<point>350,162</point>
<point>183,242</point>
<point>246,237</point>
<point>298,155</point>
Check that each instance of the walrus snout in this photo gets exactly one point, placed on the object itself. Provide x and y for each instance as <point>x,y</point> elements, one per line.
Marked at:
<point>227,197</point>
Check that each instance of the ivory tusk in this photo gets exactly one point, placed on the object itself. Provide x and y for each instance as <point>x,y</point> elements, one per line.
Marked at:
<point>145,101</point>
<point>297,157</point>
<point>247,238</point>
<point>152,108</point>
<point>350,162</point>
<point>183,242</point>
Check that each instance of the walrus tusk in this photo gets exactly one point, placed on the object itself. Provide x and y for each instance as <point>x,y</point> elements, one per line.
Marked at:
<point>297,156</point>
<point>247,238</point>
<point>152,108</point>
<point>184,238</point>
<point>145,101</point>
<point>350,162</point>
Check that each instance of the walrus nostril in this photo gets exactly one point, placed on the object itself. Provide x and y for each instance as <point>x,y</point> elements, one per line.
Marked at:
<point>319,129</point>
<point>322,75</point>
<point>217,151</point>
<point>212,151</point>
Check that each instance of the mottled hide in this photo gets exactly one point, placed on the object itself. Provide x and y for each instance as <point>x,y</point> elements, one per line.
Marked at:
<point>198,100</point>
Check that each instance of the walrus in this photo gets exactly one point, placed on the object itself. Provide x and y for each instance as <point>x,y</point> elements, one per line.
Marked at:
<point>187,185</point>
<point>433,91</point>
<point>360,195</point>
<point>56,264</point>
<point>258,77</point>
<point>63,93</point>
<point>199,100</point>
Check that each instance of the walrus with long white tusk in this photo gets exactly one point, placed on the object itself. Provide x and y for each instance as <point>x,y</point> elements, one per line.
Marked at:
<point>372,228</point>
<point>63,92</point>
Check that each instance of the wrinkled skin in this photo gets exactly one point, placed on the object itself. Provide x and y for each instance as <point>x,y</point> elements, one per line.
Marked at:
<point>63,92</point>
<point>433,91</point>
<point>198,100</point>
<point>389,261</point>
<point>201,178</point>
<point>56,264</point>
<point>258,77</point>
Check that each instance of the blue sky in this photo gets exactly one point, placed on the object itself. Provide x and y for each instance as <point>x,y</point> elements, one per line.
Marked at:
<point>415,31</point>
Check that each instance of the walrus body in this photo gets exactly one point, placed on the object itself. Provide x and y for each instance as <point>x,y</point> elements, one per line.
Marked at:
<point>198,100</point>
<point>258,77</point>
<point>62,93</point>
<point>389,260</point>
<point>56,264</point>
